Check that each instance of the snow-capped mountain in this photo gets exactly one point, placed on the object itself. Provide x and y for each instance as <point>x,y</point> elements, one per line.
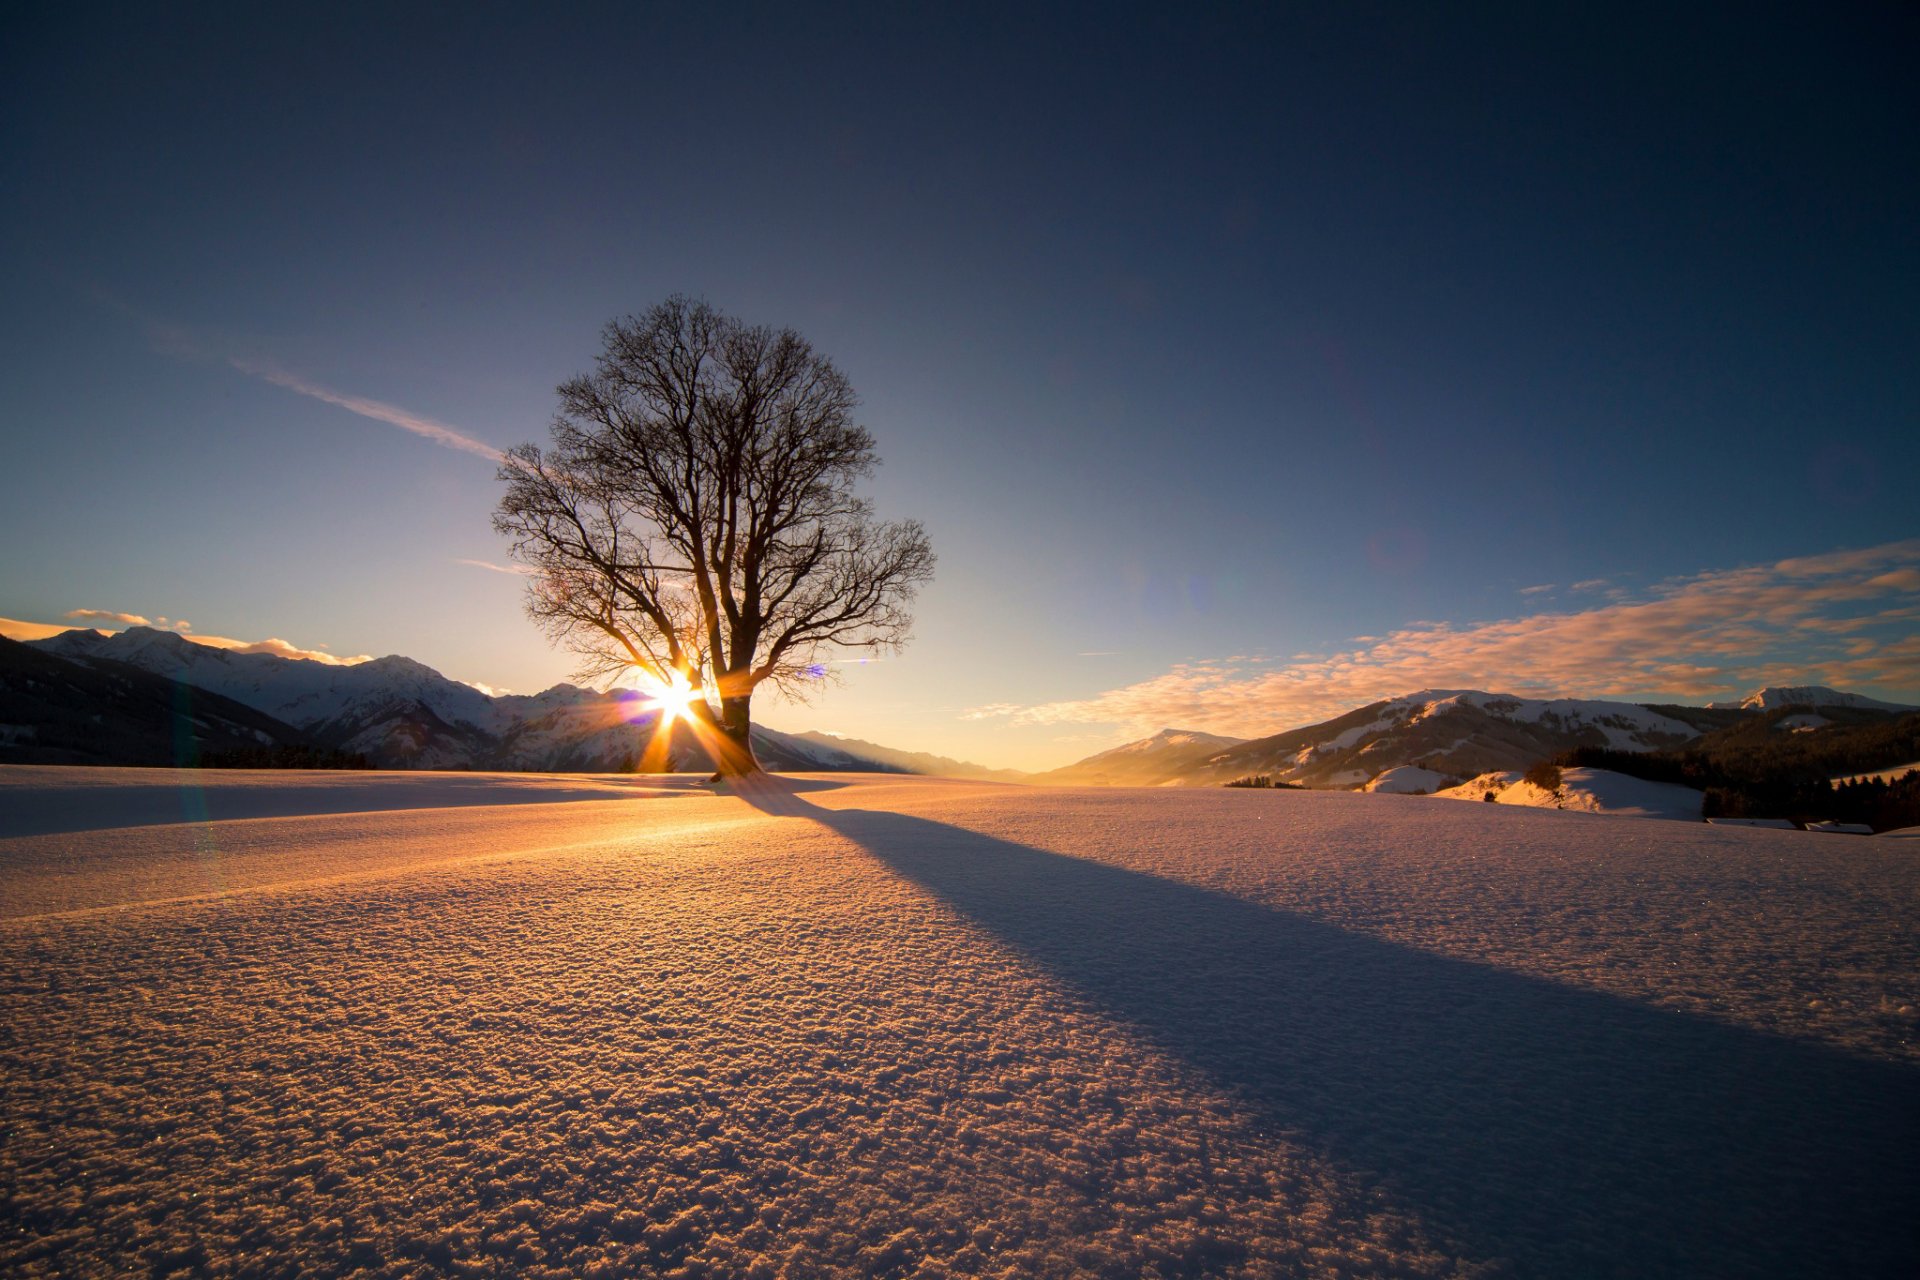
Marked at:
<point>1451,733</point>
<point>54,711</point>
<point>1774,697</point>
<point>403,714</point>
<point>1167,757</point>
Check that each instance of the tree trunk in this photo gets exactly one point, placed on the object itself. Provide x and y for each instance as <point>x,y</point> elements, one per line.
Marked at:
<point>732,748</point>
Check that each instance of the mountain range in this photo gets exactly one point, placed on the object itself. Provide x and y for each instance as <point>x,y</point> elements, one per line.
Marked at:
<point>87,697</point>
<point>145,696</point>
<point>1450,734</point>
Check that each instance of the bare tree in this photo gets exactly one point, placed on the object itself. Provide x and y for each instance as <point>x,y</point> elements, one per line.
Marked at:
<point>695,519</point>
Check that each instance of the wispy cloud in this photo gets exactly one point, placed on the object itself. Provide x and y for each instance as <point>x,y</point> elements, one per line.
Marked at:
<point>280,649</point>
<point>183,343</point>
<point>427,428</point>
<point>108,617</point>
<point>517,570</point>
<point>1534,591</point>
<point>993,710</point>
<point>1710,634</point>
<point>1097,653</point>
<point>17,629</point>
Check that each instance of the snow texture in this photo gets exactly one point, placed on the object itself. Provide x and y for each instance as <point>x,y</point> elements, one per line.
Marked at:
<point>895,1026</point>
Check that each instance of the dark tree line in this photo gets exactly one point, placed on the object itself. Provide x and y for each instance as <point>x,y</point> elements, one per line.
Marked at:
<point>1757,769</point>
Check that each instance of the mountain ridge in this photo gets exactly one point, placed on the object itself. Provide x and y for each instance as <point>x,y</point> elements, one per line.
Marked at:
<point>401,713</point>
<point>1453,734</point>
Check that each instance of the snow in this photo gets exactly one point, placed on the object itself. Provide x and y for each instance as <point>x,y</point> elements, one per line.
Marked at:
<point>1773,697</point>
<point>1347,737</point>
<point>1805,722</point>
<point>299,691</point>
<point>1170,738</point>
<point>1627,726</point>
<point>1408,779</point>
<point>900,1026</point>
<point>1588,791</point>
<point>1883,775</point>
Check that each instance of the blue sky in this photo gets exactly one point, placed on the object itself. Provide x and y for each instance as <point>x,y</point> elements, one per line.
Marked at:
<point>1205,348</point>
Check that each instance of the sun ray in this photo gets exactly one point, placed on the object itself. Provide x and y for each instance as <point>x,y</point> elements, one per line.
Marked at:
<point>667,702</point>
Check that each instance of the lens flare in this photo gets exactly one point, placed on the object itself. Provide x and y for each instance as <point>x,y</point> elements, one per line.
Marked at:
<point>669,698</point>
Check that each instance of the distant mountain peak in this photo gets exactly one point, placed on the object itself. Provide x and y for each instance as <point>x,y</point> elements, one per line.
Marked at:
<point>1180,738</point>
<point>1773,697</point>
<point>155,638</point>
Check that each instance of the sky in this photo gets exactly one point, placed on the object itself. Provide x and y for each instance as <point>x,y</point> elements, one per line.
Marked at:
<point>1243,367</point>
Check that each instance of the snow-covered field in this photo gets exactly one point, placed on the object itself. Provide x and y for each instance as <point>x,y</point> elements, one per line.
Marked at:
<point>894,1026</point>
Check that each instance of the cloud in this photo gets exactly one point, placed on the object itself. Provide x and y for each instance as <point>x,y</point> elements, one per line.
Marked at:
<point>1797,621</point>
<point>518,570</point>
<point>993,710</point>
<point>108,617</point>
<point>1534,591</point>
<point>1588,584</point>
<point>1097,653</point>
<point>438,432</point>
<point>278,648</point>
<point>183,343</point>
<point>15,629</point>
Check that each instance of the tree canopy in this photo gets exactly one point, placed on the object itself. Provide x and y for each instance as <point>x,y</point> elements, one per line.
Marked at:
<point>695,519</point>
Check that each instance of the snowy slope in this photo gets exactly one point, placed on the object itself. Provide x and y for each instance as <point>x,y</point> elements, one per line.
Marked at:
<point>1774,697</point>
<point>1453,732</point>
<point>1409,779</point>
<point>311,695</point>
<point>915,1028</point>
<point>1881,775</point>
<point>55,711</point>
<point>1587,791</point>
<point>1165,757</point>
<point>403,714</point>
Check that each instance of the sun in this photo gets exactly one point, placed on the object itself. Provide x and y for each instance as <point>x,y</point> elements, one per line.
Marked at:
<point>670,698</point>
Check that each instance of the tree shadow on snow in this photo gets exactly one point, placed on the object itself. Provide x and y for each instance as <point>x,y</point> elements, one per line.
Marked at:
<point>1572,1132</point>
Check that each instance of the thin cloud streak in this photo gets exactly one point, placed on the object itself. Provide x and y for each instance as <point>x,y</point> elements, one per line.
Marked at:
<point>515,570</point>
<point>438,432</point>
<point>182,343</point>
<point>1846,619</point>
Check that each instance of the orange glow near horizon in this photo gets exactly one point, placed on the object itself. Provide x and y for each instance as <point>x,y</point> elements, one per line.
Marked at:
<point>668,701</point>
<point>670,698</point>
